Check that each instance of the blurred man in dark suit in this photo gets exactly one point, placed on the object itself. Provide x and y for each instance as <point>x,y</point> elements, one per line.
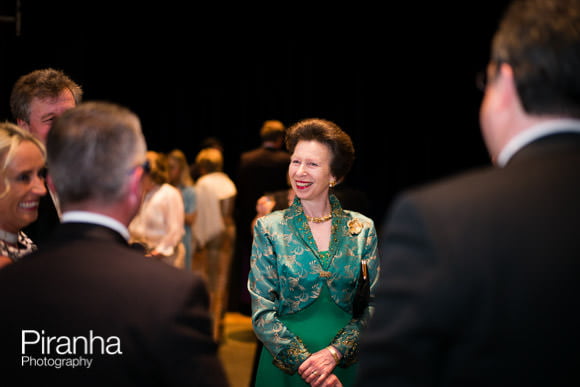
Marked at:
<point>481,272</point>
<point>261,170</point>
<point>87,309</point>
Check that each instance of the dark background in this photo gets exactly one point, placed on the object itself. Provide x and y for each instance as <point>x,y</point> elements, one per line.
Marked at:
<point>400,79</point>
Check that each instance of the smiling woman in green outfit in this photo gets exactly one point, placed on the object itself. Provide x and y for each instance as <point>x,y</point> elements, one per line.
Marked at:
<point>305,266</point>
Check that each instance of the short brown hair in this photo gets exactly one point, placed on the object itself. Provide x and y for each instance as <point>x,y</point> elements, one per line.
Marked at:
<point>272,130</point>
<point>45,83</point>
<point>328,133</point>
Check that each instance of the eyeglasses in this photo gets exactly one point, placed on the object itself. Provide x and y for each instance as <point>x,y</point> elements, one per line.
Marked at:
<point>145,166</point>
<point>482,79</point>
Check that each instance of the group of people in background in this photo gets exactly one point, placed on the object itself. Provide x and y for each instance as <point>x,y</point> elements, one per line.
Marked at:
<point>472,281</point>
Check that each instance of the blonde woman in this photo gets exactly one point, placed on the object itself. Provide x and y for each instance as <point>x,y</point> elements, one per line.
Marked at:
<point>159,224</point>
<point>22,166</point>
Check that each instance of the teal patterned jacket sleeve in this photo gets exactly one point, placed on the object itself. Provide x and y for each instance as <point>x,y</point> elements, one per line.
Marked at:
<point>286,276</point>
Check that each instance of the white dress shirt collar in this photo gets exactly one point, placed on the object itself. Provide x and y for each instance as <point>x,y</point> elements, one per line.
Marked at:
<point>533,133</point>
<point>94,218</point>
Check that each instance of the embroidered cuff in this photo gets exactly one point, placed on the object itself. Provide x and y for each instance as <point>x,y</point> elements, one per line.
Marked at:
<point>290,358</point>
<point>346,341</point>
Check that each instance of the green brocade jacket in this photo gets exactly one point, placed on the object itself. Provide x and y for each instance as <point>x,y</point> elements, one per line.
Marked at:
<point>287,275</point>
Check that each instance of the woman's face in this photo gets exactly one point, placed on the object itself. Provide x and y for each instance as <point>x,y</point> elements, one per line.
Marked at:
<point>19,206</point>
<point>174,170</point>
<point>309,170</point>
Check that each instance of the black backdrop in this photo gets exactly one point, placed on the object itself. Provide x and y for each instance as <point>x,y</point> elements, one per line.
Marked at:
<point>399,80</point>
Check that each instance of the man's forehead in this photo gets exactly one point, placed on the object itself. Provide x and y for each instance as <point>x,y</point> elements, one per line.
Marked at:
<point>51,99</point>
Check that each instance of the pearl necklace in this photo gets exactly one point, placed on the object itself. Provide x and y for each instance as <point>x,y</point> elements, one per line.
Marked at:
<point>321,219</point>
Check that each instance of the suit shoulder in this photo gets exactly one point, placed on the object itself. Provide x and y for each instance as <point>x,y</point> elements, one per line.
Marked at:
<point>250,154</point>
<point>466,184</point>
<point>459,196</point>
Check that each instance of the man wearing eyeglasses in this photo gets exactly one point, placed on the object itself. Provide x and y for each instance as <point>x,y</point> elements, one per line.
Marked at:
<point>481,272</point>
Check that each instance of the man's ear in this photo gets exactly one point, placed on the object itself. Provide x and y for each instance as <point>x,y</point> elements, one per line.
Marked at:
<point>23,124</point>
<point>136,184</point>
<point>506,88</point>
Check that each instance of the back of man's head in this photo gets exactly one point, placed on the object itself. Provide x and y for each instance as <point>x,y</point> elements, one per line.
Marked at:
<point>210,160</point>
<point>272,130</point>
<point>540,40</point>
<point>92,150</point>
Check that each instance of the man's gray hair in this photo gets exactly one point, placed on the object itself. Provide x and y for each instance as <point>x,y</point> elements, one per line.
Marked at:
<point>92,150</point>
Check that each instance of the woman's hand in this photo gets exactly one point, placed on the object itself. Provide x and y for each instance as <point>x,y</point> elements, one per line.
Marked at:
<point>317,369</point>
<point>328,381</point>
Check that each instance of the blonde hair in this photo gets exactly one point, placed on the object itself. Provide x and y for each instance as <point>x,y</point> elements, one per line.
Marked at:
<point>11,136</point>
<point>158,167</point>
<point>43,83</point>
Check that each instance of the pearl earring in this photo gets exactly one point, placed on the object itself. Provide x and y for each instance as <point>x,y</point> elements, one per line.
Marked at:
<point>332,184</point>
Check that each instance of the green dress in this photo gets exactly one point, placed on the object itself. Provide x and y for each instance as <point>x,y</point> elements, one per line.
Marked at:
<point>301,297</point>
<point>316,325</point>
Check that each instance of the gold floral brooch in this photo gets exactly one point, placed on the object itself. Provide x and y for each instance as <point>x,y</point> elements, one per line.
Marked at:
<point>354,226</point>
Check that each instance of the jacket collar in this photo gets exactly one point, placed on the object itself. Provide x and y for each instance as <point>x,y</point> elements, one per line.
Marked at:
<point>80,230</point>
<point>550,147</point>
<point>535,133</point>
